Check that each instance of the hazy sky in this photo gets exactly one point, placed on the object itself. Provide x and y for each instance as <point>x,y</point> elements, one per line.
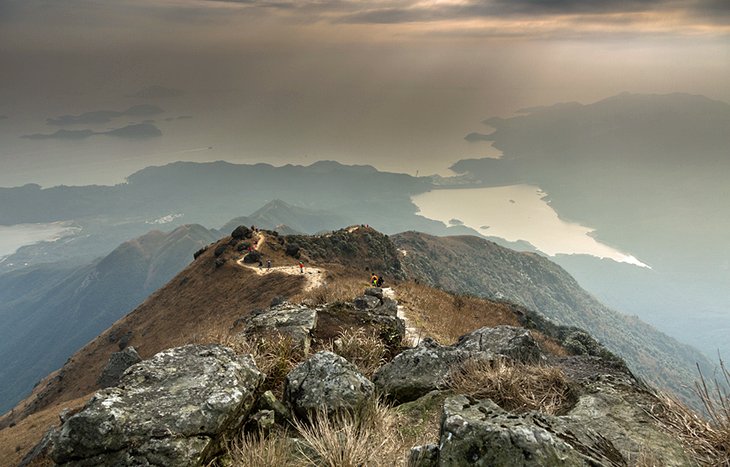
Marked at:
<point>395,84</point>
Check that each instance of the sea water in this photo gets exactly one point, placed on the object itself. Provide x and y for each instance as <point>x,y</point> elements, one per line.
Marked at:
<point>516,212</point>
<point>13,237</point>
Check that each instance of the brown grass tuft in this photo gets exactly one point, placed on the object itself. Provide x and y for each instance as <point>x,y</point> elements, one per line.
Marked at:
<point>361,347</point>
<point>335,289</point>
<point>367,437</point>
<point>513,386</point>
<point>445,317</point>
<point>257,450</point>
<point>548,344</point>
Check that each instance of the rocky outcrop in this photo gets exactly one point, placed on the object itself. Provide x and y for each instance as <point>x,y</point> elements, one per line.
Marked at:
<point>426,367</point>
<point>173,409</point>
<point>325,382</point>
<point>285,319</point>
<point>118,363</point>
<point>480,433</point>
<point>241,232</point>
<point>415,372</point>
<point>510,341</point>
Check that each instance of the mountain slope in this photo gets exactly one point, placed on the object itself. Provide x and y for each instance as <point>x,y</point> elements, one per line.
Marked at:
<point>49,312</point>
<point>466,264</point>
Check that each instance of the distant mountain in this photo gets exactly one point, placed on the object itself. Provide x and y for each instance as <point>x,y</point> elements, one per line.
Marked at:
<point>296,219</point>
<point>467,264</point>
<point>48,312</point>
<point>649,173</point>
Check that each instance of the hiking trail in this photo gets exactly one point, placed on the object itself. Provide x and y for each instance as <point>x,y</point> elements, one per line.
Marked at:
<point>313,276</point>
<point>413,335</point>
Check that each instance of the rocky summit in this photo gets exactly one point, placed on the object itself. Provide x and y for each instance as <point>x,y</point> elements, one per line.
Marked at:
<point>272,364</point>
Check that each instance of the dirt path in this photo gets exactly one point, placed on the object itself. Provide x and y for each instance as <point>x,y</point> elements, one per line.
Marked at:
<point>314,276</point>
<point>413,334</point>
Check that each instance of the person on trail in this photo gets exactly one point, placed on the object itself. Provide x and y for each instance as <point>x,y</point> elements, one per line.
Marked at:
<point>301,267</point>
<point>374,280</point>
<point>261,264</point>
<point>379,281</point>
<point>268,264</point>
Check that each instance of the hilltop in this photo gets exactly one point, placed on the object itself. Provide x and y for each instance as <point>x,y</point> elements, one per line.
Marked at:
<point>223,297</point>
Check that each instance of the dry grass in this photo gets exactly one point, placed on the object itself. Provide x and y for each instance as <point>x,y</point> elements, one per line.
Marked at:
<point>366,437</point>
<point>255,450</point>
<point>548,344</point>
<point>513,386</point>
<point>335,289</point>
<point>445,317</point>
<point>361,347</point>
<point>708,439</point>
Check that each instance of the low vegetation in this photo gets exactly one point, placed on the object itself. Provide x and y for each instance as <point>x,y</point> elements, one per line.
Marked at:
<point>708,436</point>
<point>514,386</point>
<point>363,348</point>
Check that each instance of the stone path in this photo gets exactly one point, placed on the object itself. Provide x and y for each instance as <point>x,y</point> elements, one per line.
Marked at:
<point>413,334</point>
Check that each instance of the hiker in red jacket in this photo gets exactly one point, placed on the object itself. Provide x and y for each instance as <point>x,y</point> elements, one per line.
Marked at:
<point>301,267</point>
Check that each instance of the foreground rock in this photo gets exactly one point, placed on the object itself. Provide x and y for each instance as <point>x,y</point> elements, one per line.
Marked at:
<point>480,433</point>
<point>294,321</point>
<point>510,341</point>
<point>173,409</point>
<point>118,363</point>
<point>325,382</point>
<point>426,367</point>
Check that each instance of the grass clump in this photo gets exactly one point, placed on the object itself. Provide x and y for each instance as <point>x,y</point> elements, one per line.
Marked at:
<point>335,289</point>
<point>368,436</point>
<point>707,438</point>
<point>513,386</point>
<point>361,347</point>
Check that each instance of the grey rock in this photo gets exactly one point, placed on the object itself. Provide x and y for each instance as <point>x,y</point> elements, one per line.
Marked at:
<point>376,292</point>
<point>480,433</point>
<point>424,456</point>
<point>415,372</point>
<point>286,319</point>
<point>118,363</point>
<point>173,409</point>
<point>263,420</point>
<point>618,408</point>
<point>516,343</point>
<point>366,302</point>
<point>268,401</point>
<point>325,382</point>
<point>252,257</point>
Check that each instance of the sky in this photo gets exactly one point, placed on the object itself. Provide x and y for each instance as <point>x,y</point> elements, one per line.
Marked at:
<point>393,84</point>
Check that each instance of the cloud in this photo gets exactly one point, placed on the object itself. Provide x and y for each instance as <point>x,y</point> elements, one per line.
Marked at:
<point>104,116</point>
<point>135,131</point>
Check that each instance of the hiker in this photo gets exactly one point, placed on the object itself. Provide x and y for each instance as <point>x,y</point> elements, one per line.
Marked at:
<point>374,280</point>
<point>261,264</point>
<point>268,264</point>
<point>379,281</point>
<point>301,267</point>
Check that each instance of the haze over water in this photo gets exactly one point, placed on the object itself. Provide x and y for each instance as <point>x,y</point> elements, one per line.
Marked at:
<point>517,212</point>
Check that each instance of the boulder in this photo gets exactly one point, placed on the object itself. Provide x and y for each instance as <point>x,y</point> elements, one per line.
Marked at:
<point>199,252</point>
<point>366,302</point>
<point>252,257</point>
<point>325,382</point>
<point>220,249</point>
<point>417,371</point>
<point>375,292</point>
<point>118,363</point>
<point>286,319</point>
<point>513,342</point>
<point>268,401</point>
<point>480,433</point>
<point>173,409</point>
<point>241,232</point>
<point>424,456</point>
